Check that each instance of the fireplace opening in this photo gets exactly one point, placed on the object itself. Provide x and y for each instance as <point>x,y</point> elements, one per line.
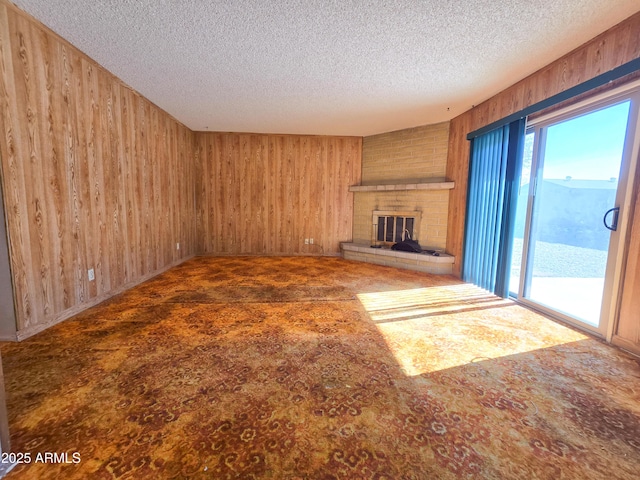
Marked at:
<point>392,227</point>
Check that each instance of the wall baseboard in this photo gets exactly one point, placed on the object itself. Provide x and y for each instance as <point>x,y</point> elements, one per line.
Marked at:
<point>626,345</point>
<point>75,310</point>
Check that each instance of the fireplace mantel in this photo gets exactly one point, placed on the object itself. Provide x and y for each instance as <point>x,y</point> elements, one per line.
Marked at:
<point>439,185</point>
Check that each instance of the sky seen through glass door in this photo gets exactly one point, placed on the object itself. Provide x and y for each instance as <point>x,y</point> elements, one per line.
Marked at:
<point>595,148</point>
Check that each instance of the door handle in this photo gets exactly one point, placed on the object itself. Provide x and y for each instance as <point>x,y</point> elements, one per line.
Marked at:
<point>614,224</point>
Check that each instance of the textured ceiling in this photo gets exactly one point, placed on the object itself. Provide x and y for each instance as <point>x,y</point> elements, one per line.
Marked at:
<point>342,67</point>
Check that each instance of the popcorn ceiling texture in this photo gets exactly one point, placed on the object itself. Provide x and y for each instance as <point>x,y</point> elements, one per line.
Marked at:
<point>349,67</point>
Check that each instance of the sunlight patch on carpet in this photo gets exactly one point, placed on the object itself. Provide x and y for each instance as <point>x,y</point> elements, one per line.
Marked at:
<point>437,328</point>
<point>401,305</point>
<point>270,368</point>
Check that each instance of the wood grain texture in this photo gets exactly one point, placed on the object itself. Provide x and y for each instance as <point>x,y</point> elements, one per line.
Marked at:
<point>264,194</point>
<point>93,176</point>
<point>627,330</point>
<point>609,50</point>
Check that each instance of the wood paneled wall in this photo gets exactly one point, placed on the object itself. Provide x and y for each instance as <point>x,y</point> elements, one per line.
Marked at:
<point>264,194</point>
<point>93,176</point>
<point>611,49</point>
<point>627,330</point>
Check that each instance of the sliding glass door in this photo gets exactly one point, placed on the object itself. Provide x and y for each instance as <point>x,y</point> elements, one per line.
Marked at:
<point>567,240</point>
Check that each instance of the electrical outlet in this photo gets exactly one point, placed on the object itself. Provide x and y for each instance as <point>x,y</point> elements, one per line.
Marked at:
<point>91,274</point>
<point>306,241</point>
<point>311,241</point>
<point>177,246</point>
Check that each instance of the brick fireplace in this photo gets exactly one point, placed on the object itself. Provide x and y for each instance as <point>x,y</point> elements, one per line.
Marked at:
<point>403,176</point>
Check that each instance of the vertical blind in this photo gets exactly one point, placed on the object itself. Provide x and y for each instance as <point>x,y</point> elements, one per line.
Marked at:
<point>494,176</point>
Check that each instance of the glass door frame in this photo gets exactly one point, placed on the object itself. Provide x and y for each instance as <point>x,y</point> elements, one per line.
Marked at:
<point>619,238</point>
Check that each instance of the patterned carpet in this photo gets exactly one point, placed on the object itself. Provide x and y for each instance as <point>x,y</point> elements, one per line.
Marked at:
<point>319,368</point>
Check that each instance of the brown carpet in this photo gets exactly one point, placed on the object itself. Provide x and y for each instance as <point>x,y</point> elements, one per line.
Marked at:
<point>262,294</point>
<point>319,368</point>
